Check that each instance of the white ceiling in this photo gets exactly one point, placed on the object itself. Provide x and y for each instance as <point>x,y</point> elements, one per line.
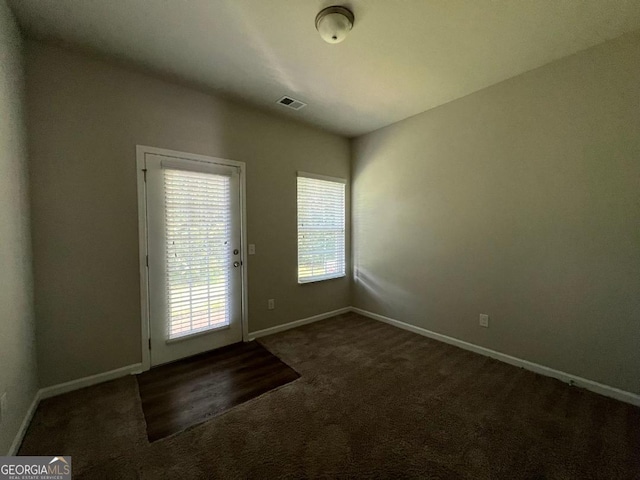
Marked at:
<point>403,56</point>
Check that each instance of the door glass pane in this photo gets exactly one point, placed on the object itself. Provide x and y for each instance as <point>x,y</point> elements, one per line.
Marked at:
<point>198,251</point>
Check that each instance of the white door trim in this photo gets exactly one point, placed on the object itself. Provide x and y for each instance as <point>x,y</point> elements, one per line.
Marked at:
<point>141,151</point>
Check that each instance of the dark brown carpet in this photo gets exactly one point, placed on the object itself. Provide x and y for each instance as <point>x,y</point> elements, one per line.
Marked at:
<point>372,401</point>
<point>190,391</point>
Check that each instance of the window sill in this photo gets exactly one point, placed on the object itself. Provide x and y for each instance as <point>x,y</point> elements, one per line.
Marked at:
<point>321,279</point>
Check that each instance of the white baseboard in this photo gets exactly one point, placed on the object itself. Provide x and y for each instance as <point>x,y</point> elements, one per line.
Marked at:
<point>26,421</point>
<point>297,323</point>
<point>66,387</point>
<point>606,390</point>
<point>61,388</point>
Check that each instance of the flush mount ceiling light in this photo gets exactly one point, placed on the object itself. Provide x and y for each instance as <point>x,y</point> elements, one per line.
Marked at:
<point>334,23</point>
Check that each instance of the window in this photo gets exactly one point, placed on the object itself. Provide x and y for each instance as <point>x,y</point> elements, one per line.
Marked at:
<point>321,232</point>
<point>198,223</point>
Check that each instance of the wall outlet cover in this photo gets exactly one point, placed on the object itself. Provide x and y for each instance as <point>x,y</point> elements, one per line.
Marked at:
<point>271,304</point>
<point>484,320</point>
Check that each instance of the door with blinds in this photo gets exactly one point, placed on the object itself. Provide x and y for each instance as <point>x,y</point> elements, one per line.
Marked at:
<point>194,259</point>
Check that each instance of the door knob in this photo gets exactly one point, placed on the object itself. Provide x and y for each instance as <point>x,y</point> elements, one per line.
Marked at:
<point>236,264</point>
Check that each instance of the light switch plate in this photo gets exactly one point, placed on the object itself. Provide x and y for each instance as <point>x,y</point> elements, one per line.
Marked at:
<point>252,249</point>
<point>484,320</point>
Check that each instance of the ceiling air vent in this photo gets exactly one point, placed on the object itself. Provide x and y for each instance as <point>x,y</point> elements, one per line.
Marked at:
<point>291,103</point>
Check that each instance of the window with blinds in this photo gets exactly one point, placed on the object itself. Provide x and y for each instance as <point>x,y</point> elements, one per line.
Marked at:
<point>198,231</point>
<point>321,228</point>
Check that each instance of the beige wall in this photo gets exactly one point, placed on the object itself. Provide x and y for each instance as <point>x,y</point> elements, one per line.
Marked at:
<point>18,374</point>
<point>85,119</point>
<point>521,201</point>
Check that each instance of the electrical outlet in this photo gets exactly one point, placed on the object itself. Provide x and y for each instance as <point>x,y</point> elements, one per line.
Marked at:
<point>271,304</point>
<point>3,407</point>
<point>484,320</point>
<point>252,249</point>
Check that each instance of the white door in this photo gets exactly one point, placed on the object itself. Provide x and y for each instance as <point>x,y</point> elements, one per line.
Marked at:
<point>193,243</point>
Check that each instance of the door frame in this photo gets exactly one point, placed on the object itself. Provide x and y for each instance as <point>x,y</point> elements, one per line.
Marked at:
<point>141,152</point>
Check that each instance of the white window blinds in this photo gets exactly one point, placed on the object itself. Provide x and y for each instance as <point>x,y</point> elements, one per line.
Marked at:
<point>198,232</point>
<point>321,230</point>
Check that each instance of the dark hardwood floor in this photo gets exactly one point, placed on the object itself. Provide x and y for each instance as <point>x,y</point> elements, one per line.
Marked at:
<point>190,391</point>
